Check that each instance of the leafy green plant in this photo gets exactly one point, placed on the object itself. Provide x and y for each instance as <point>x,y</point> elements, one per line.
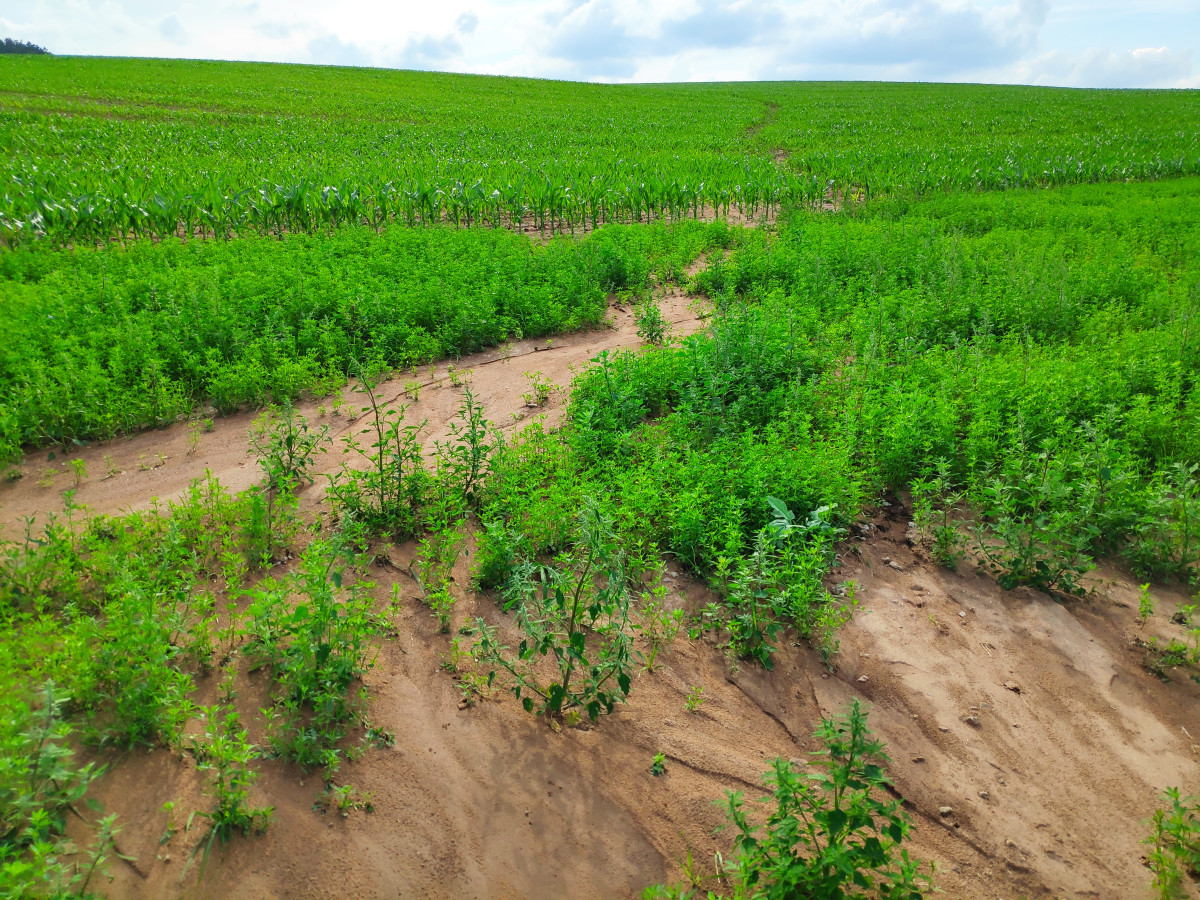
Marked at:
<point>935,505</point>
<point>695,698</point>
<point>316,650</point>
<point>1178,652</point>
<point>225,751</point>
<point>464,460</point>
<point>1174,845</point>
<point>652,326</point>
<point>431,570</point>
<point>285,446</point>
<point>345,798</point>
<point>659,626</point>
<point>40,783</point>
<point>778,584</point>
<point>575,615</point>
<point>387,495</point>
<point>830,833</point>
<point>1032,534</point>
<point>541,389</point>
<point>1145,605</point>
<point>658,766</point>
<point>78,470</point>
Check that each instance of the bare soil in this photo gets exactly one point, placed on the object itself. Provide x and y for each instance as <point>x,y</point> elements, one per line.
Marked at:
<point>129,473</point>
<point>1031,719</point>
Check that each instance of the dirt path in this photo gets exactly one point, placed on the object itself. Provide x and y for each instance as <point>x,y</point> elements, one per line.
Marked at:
<point>162,463</point>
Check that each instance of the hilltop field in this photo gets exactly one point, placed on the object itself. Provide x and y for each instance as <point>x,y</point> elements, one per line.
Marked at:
<point>454,486</point>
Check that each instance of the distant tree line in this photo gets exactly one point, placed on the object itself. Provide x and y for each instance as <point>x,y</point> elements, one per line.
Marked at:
<point>11,46</point>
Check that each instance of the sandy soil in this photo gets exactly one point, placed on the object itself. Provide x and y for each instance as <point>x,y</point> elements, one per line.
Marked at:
<point>1032,720</point>
<point>161,463</point>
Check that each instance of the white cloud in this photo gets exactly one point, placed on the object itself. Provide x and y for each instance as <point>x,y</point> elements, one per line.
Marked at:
<point>1142,67</point>
<point>1105,43</point>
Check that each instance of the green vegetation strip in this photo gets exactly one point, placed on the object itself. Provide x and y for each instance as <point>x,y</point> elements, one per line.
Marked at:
<point>95,149</point>
<point>1026,363</point>
<point>97,342</point>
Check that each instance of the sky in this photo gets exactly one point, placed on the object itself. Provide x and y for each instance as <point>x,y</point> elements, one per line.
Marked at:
<point>1074,43</point>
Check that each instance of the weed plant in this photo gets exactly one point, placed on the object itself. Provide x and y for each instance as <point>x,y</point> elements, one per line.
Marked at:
<point>829,833</point>
<point>1174,842</point>
<point>386,496</point>
<point>225,751</point>
<point>574,614</point>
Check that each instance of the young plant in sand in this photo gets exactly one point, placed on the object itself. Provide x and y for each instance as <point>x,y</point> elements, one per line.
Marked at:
<point>935,504</point>
<point>40,784</point>
<point>345,798</point>
<point>317,650</point>
<point>1178,652</point>
<point>225,751</point>
<point>778,584</point>
<point>195,430</point>
<point>285,446</point>
<point>1174,842</point>
<point>1145,605</point>
<point>835,833</point>
<point>652,326</point>
<point>78,470</point>
<point>659,627</point>
<point>464,460</point>
<point>1031,533</point>
<point>436,555</point>
<point>576,652</point>
<point>387,495</point>
<point>541,389</point>
<point>695,698</point>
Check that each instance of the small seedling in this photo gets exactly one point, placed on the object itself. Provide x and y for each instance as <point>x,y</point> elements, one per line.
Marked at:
<point>454,657</point>
<point>195,429</point>
<point>110,467</point>
<point>1175,845</point>
<point>412,390</point>
<point>659,765</point>
<point>79,470</point>
<point>169,809</point>
<point>345,799</point>
<point>1145,605</point>
<point>659,627</point>
<point>542,390</point>
<point>695,698</point>
<point>47,479</point>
